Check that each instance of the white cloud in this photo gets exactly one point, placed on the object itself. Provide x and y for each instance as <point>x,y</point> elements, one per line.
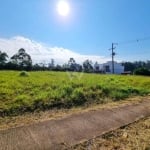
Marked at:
<point>43,53</point>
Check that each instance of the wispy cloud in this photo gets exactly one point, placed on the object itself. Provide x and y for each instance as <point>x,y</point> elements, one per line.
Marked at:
<point>42,53</point>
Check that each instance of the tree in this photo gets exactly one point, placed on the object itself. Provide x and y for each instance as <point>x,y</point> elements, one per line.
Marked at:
<point>87,66</point>
<point>51,65</point>
<point>3,58</point>
<point>96,67</point>
<point>142,71</point>
<point>129,66</point>
<point>148,64</point>
<point>36,67</point>
<point>58,68</point>
<point>22,60</point>
<point>72,64</point>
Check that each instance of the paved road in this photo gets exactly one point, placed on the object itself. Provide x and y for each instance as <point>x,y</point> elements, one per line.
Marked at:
<point>49,135</point>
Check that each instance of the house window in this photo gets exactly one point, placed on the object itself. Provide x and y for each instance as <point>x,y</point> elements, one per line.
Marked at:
<point>107,68</point>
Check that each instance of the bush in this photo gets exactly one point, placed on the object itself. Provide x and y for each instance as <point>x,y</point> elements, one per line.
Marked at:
<point>24,74</point>
<point>78,98</point>
<point>142,71</point>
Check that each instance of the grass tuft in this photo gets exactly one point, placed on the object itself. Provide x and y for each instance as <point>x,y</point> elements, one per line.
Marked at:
<point>24,74</point>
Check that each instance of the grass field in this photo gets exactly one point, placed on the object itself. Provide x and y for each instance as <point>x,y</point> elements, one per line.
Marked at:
<point>48,90</point>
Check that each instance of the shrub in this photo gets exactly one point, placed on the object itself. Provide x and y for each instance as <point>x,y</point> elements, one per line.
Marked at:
<point>142,71</point>
<point>117,95</point>
<point>78,97</point>
<point>24,74</point>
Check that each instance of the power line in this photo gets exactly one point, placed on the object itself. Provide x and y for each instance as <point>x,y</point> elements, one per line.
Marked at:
<point>134,41</point>
<point>123,43</point>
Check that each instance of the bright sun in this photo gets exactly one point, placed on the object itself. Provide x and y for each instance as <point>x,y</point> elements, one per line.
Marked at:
<point>63,8</point>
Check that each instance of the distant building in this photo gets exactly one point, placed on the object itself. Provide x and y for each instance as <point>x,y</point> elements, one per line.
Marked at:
<point>107,68</point>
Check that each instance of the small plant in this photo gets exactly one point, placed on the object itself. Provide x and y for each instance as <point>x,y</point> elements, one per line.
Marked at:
<point>24,74</point>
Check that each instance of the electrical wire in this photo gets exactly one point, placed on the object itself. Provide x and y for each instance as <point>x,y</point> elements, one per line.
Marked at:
<point>134,41</point>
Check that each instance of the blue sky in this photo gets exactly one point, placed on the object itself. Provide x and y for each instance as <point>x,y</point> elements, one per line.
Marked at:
<point>89,29</point>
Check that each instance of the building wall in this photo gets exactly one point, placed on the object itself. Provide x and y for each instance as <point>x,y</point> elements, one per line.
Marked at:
<point>107,67</point>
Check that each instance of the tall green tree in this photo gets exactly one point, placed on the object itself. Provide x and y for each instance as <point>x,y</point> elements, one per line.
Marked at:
<point>22,60</point>
<point>87,66</point>
<point>72,64</point>
<point>3,58</point>
<point>51,65</point>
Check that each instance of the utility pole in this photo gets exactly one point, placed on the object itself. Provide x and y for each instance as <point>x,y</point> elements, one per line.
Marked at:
<point>113,54</point>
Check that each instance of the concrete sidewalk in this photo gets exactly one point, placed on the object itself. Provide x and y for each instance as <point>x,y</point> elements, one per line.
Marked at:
<point>49,135</point>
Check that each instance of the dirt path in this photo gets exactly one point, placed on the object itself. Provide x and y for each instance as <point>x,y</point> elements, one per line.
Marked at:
<point>72,129</point>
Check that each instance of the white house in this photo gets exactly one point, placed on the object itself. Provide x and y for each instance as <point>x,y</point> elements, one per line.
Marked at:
<point>107,67</point>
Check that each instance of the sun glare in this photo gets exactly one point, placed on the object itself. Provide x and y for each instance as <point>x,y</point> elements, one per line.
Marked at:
<point>63,8</point>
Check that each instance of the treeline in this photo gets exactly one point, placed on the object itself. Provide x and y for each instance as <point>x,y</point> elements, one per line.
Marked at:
<point>22,61</point>
<point>19,61</point>
<point>132,66</point>
<point>137,67</point>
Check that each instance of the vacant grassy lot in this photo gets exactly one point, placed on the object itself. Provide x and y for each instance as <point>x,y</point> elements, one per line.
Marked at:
<point>47,90</point>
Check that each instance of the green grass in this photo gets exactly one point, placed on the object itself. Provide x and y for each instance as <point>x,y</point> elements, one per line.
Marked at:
<point>48,90</point>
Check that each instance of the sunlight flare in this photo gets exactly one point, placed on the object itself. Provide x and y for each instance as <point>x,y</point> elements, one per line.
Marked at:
<point>63,8</point>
